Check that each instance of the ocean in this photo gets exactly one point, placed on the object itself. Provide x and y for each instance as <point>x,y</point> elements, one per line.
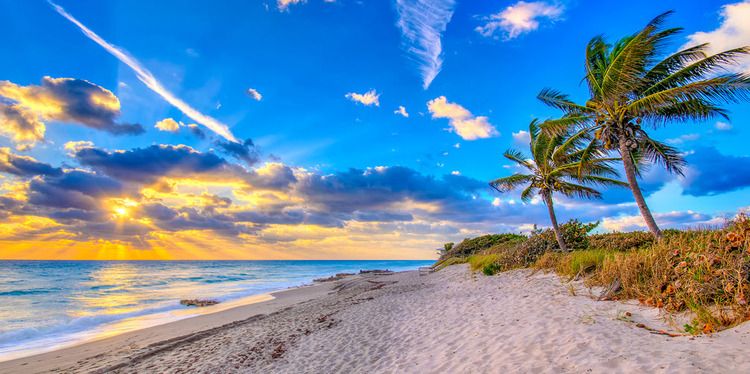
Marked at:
<point>46,305</point>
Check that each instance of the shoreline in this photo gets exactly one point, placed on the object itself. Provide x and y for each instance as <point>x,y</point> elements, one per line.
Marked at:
<point>246,307</point>
<point>98,327</point>
<point>452,320</point>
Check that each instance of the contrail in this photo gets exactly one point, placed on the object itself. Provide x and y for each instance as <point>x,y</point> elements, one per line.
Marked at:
<point>149,80</point>
<point>422,24</point>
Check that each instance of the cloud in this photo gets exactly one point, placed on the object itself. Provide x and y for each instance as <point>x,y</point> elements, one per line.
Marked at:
<point>196,131</point>
<point>733,32</point>
<point>520,18</point>
<point>146,165</point>
<point>462,122</point>
<point>368,98</point>
<point>245,151</point>
<point>254,94</point>
<point>422,24</point>
<point>521,137</point>
<point>401,111</point>
<point>24,166</point>
<point>387,188</point>
<point>168,124</point>
<point>60,99</point>
<point>145,76</point>
<point>683,139</point>
<point>674,219</point>
<point>723,126</point>
<point>74,146</point>
<point>710,173</point>
<point>20,125</point>
<point>284,4</point>
<point>76,189</point>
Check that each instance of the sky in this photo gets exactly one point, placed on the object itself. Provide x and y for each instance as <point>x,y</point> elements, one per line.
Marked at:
<point>318,129</point>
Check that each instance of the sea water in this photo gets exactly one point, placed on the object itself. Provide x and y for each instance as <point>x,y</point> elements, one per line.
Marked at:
<point>46,305</point>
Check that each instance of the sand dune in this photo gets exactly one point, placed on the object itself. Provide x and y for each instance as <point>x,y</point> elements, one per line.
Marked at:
<point>447,322</point>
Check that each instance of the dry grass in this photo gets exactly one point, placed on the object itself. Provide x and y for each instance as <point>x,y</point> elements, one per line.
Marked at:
<point>448,262</point>
<point>621,241</point>
<point>573,264</point>
<point>706,272</point>
<point>478,262</point>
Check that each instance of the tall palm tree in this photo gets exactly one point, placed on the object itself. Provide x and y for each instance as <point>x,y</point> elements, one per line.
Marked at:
<point>558,165</point>
<point>632,86</point>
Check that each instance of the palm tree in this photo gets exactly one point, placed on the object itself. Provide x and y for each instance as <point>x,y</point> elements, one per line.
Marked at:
<point>558,165</point>
<point>632,86</point>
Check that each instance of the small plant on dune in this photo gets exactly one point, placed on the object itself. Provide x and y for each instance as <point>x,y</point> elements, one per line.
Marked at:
<point>558,165</point>
<point>574,233</point>
<point>632,85</point>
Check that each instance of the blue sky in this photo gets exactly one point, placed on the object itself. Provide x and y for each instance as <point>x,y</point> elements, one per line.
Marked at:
<point>306,60</point>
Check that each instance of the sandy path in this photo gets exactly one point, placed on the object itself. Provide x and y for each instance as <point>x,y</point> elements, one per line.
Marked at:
<point>445,322</point>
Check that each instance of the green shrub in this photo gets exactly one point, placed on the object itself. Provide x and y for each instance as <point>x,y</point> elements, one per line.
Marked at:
<point>476,245</point>
<point>491,268</point>
<point>621,241</point>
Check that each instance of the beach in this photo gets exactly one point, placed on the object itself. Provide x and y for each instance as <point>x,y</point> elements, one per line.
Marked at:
<point>448,321</point>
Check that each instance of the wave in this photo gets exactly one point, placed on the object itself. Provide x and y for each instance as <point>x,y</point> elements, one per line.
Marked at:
<point>32,291</point>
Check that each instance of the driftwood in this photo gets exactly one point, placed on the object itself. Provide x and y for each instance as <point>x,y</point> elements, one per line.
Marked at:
<point>198,302</point>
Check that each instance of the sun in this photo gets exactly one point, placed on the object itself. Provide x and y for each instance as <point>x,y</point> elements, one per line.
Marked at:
<point>121,211</point>
<point>121,207</point>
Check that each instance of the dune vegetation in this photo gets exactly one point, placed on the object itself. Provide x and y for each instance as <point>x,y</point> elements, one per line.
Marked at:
<point>634,86</point>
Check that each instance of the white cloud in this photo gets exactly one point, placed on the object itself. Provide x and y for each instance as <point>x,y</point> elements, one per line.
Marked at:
<point>522,137</point>
<point>723,126</point>
<point>455,172</point>
<point>683,139</point>
<point>674,219</point>
<point>75,146</point>
<point>145,76</point>
<point>422,24</point>
<point>733,32</point>
<point>520,18</point>
<point>462,122</point>
<point>368,98</point>
<point>284,4</point>
<point>254,94</point>
<point>168,124</point>
<point>457,145</point>
<point>401,111</point>
<point>496,201</point>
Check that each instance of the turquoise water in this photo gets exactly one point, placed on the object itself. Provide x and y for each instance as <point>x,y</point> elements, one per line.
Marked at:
<point>51,304</point>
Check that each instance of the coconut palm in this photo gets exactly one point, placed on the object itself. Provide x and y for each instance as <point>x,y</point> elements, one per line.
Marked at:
<point>633,87</point>
<point>558,165</point>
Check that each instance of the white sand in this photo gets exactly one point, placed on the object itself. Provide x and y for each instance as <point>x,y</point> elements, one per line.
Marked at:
<point>446,322</point>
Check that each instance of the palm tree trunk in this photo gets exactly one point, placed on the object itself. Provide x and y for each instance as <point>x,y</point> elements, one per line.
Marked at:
<point>637,194</point>
<point>548,201</point>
